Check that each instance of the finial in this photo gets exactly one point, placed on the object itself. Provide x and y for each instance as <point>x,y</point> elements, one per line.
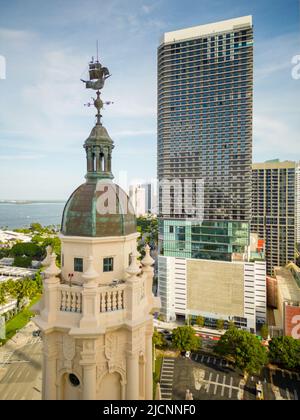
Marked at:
<point>147,260</point>
<point>134,268</point>
<point>46,262</point>
<point>52,270</point>
<point>90,274</point>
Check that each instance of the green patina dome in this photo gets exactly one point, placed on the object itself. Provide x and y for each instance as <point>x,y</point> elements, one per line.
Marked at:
<point>98,209</point>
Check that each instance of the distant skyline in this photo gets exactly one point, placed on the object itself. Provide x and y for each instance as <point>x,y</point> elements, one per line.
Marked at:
<point>43,121</point>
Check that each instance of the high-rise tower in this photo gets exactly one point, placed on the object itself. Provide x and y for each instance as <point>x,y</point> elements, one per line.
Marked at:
<point>96,311</point>
<point>205,101</point>
<point>275,215</point>
<point>205,112</point>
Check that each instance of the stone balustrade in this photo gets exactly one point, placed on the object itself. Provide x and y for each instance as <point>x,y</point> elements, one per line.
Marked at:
<point>70,299</point>
<point>110,299</point>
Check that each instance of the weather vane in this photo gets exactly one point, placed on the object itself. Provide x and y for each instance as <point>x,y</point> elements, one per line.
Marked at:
<point>97,77</point>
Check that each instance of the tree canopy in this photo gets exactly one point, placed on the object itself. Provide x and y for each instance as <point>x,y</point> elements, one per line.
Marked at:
<point>28,249</point>
<point>158,339</point>
<point>285,351</point>
<point>184,339</point>
<point>244,349</point>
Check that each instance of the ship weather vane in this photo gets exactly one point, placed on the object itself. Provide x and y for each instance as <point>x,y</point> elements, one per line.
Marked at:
<point>97,77</point>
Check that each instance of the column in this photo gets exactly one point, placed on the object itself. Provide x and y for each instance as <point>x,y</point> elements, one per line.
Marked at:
<point>109,162</point>
<point>49,390</point>
<point>149,368</point>
<point>132,372</point>
<point>49,379</point>
<point>105,162</point>
<point>90,165</point>
<point>98,160</point>
<point>89,382</point>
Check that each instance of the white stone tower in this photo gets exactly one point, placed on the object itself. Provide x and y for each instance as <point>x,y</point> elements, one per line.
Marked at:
<point>96,311</point>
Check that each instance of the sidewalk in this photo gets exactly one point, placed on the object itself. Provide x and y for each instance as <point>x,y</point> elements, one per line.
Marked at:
<point>173,325</point>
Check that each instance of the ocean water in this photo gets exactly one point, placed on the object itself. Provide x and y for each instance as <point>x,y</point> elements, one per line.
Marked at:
<point>13,216</point>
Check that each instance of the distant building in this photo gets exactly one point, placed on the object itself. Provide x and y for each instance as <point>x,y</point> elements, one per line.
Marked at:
<point>7,262</point>
<point>143,199</point>
<point>137,196</point>
<point>298,203</point>
<point>275,211</point>
<point>8,236</point>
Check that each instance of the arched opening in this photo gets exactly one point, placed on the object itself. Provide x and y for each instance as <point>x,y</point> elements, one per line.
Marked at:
<point>102,162</point>
<point>110,387</point>
<point>93,162</point>
<point>70,387</point>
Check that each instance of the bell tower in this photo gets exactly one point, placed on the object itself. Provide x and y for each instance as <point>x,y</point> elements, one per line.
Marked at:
<point>96,313</point>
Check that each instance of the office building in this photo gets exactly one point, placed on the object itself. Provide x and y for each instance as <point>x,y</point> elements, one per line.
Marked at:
<point>231,291</point>
<point>274,210</point>
<point>143,199</point>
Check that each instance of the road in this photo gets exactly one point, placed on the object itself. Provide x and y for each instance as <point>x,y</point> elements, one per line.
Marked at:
<point>21,367</point>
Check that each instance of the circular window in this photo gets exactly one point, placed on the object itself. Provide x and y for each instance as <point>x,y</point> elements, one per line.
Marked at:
<point>74,380</point>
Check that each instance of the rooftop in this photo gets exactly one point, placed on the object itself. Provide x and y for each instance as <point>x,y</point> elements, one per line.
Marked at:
<point>198,31</point>
<point>287,285</point>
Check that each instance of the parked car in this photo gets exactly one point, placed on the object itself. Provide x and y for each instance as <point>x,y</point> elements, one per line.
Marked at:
<point>36,333</point>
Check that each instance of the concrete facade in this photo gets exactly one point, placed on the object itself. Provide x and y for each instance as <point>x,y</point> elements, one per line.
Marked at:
<point>213,289</point>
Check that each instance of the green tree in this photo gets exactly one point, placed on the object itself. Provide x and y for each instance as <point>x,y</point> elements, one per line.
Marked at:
<point>4,252</point>
<point>264,331</point>
<point>184,339</point>
<point>3,294</point>
<point>23,262</point>
<point>158,339</point>
<point>21,289</point>
<point>220,324</point>
<point>200,321</point>
<point>28,249</point>
<point>231,325</point>
<point>244,349</point>
<point>285,351</point>
<point>36,227</point>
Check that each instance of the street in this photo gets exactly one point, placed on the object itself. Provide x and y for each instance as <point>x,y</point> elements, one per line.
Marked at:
<point>20,367</point>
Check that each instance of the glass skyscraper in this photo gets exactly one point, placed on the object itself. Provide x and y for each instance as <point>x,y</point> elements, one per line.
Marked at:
<point>205,110</point>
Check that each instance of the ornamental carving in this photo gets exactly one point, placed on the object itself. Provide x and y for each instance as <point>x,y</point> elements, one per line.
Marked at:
<point>69,349</point>
<point>111,345</point>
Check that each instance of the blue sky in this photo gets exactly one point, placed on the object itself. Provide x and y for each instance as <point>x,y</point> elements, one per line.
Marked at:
<point>47,45</point>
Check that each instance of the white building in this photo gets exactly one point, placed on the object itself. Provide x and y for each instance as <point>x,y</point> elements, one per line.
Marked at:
<point>137,196</point>
<point>213,289</point>
<point>7,236</point>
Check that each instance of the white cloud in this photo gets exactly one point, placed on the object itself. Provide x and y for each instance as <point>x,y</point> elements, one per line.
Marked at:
<point>275,136</point>
<point>14,36</point>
